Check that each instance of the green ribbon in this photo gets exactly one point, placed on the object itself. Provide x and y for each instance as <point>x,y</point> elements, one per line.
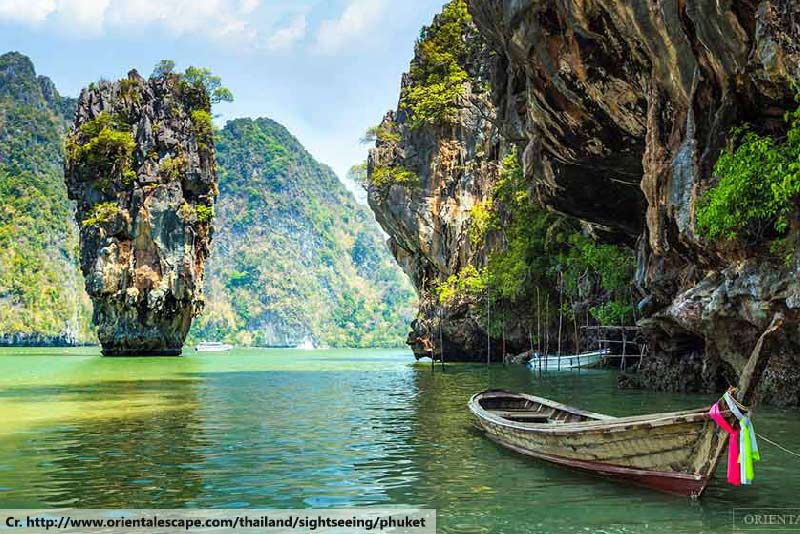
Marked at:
<point>748,446</point>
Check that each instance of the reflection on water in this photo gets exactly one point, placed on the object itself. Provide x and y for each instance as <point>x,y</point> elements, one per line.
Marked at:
<point>269,428</point>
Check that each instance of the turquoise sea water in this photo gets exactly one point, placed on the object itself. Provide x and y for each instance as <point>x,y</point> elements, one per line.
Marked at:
<point>292,429</point>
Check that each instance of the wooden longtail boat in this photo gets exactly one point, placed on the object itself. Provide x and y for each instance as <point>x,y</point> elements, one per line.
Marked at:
<point>673,452</point>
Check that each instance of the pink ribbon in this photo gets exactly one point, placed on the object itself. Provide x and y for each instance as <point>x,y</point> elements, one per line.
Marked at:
<point>734,473</point>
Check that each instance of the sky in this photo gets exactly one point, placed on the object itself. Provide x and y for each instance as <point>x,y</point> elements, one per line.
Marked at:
<point>327,70</point>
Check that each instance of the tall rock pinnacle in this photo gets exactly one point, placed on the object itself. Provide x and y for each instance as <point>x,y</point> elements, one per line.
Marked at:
<point>140,165</point>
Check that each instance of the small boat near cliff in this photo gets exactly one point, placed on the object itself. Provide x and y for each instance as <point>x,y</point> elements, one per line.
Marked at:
<point>572,361</point>
<point>675,452</point>
<point>212,346</point>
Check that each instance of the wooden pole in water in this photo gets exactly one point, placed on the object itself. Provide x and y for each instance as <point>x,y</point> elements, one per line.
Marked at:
<point>538,330</point>
<point>432,348</point>
<point>538,325</point>
<point>441,343</point>
<point>546,329</point>
<point>503,326</point>
<point>560,313</point>
<point>575,330</point>
<point>488,322</point>
<point>624,347</point>
<point>530,338</point>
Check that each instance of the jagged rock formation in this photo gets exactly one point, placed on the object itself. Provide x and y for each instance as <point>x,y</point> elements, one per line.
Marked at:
<point>431,181</point>
<point>456,165</point>
<point>295,258</point>
<point>42,301</point>
<point>140,165</point>
<point>620,110</point>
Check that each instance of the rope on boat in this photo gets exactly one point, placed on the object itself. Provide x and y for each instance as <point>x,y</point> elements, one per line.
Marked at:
<point>781,447</point>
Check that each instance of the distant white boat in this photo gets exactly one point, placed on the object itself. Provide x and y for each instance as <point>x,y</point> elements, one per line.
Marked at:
<point>573,361</point>
<point>212,346</point>
<point>306,345</point>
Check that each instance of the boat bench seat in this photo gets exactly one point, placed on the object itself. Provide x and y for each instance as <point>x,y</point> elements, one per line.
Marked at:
<point>526,417</point>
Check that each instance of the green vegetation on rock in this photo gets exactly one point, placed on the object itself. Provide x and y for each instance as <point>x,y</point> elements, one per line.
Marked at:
<point>203,128</point>
<point>437,75</point>
<point>197,78</point>
<point>469,282</point>
<point>541,250</point>
<point>482,218</point>
<point>382,133</point>
<point>103,212</point>
<point>758,189</point>
<point>173,167</point>
<point>386,175</point>
<point>105,145</point>
<point>204,213</point>
<point>294,256</point>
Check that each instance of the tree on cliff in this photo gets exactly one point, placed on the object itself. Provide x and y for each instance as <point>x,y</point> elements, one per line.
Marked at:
<point>196,76</point>
<point>436,72</point>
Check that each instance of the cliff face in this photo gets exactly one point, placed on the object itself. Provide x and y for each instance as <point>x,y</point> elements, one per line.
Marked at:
<point>644,95</point>
<point>444,181</point>
<point>140,165</point>
<point>619,111</point>
<point>295,258</point>
<point>42,301</point>
<point>453,168</point>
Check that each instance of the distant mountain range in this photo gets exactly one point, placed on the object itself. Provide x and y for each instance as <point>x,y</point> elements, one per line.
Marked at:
<point>294,257</point>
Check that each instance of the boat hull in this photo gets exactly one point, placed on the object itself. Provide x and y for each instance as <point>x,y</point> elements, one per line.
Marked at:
<point>222,347</point>
<point>565,363</point>
<point>675,452</point>
<point>675,483</point>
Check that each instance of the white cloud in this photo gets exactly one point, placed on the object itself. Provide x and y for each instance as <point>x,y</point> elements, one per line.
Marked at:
<point>26,11</point>
<point>248,6</point>
<point>86,15</point>
<point>359,15</point>
<point>218,19</point>
<point>288,35</point>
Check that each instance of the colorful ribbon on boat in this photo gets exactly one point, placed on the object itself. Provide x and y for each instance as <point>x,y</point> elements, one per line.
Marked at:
<point>742,444</point>
<point>734,474</point>
<point>748,446</point>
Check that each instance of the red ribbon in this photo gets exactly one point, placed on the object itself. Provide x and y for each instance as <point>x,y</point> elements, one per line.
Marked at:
<point>734,473</point>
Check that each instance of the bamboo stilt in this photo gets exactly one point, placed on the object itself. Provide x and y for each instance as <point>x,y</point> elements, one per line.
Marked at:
<point>575,331</point>
<point>530,338</point>
<point>560,313</point>
<point>546,329</point>
<point>538,323</point>
<point>624,350</point>
<point>538,330</point>
<point>441,343</point>
<point>488,325</point>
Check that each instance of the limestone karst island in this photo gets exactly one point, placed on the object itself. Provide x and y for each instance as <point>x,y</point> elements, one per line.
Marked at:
<point>489,266</point>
